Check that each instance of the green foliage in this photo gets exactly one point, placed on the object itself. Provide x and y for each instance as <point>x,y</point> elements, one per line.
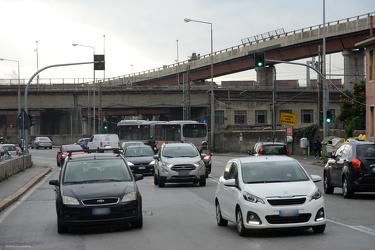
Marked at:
<point>353,109</point>
<point>308,132</point>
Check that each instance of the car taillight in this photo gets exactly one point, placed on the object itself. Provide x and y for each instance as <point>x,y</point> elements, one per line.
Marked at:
<point>261,150</point>
<point>118,144</point>
<point>287,151</point>
<point>101,144</point>
<point>356,164</point>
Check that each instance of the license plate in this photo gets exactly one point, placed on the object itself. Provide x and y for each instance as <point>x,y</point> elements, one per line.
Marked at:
<point>183,173</point>
<point>289,213</point>
<point>141,167</point>
<point>101,211</point>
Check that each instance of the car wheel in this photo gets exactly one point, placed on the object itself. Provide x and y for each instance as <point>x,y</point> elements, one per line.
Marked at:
<point>50,147</point>
<point>138,223</point>
<point>61,229</point>
<point>242,231</point>
<point>346,191</point>
<point>57,163</point>
<point>156,181</point>
<point>160,182</point>
<point>328,189</point>
<point>219,219</point>
<point>202,182</point>
<point>319,229</point>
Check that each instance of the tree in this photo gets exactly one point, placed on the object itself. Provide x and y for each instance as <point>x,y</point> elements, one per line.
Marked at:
<point>353,109</point>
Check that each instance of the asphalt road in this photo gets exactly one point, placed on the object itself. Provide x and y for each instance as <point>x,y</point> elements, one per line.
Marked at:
<point>181,217</point>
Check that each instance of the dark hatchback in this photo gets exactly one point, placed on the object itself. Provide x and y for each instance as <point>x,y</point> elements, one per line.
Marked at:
<point>140,159</point>
<point>352,168</point>
<point>269,148</point>
<point>96,189</point>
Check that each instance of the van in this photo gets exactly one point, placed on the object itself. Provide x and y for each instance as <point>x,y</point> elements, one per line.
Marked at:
<point>99,141</point>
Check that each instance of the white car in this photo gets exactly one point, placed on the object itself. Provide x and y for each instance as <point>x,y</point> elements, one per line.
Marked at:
<point>102,141</point>
<point>269,192</point>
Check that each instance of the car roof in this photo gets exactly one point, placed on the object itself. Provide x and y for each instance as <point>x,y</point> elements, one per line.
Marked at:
<point>95,156</point>
<point>7,144</point>
<point>271,143</point>
<point>138,146</point>
<point>270,158</point>
<point>178,144</point>
<point>359,142</point>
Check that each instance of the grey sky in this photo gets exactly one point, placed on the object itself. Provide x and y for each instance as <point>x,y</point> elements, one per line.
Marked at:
<point>143,33</point>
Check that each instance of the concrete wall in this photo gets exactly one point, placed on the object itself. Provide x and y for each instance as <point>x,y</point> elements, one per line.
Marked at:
<point>13,166</point>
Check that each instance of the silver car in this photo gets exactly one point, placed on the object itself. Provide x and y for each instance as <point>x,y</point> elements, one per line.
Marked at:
<point>41,142</point>
<point>179,162</point>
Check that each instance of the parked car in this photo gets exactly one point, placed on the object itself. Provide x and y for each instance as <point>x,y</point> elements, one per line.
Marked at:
<point>11,148</point>
<point>4,154</point>
<point>101,141</point>
<point>41,142</point>
<point>63,152</point>
<point>351,167</point>
<point>96,189</point>
<point>179,162</point>
<point>140,159</point>
<point>269,148</point>
<point>83,142</point>
<point>269,193</point>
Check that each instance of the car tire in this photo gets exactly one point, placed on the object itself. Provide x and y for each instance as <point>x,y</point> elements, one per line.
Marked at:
<point>50,147</point>
<point>61,229</point>
<point>138,223</point>
<point>319,229</point>
<point>219,218</point>
<point>346,191</point>
<point>156,180</point>
<point>58,163</point>
<point>202,182</point>
<point>328,189</point>
<point>161,182</point>
<point>242,231</point>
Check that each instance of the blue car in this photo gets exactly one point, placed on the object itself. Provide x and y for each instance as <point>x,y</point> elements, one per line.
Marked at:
<point>83,142</point>
<point>140,159</point>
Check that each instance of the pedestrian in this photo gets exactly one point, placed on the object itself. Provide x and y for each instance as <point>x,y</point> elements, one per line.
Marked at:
<point>317,147</point>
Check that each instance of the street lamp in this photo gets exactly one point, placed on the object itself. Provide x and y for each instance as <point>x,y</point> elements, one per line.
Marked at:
<point>19,83</point>
<point>93,96</point>
<point>212,82</point>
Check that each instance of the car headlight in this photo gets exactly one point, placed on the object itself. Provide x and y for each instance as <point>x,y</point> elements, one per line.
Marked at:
<point>130,164</point>
<point>67,200</point>
<point>129,197</point>
<point>252,198</point>
<point>152,162</point>
<point>207,157</point>
<point>317,195</point>
<point>200,166</point>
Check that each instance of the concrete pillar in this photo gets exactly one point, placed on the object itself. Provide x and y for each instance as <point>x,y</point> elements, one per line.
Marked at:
<point>354,67</point>
<point>264,77</point>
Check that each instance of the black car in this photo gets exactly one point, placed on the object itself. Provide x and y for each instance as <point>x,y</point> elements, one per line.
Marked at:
<point>96,189</point>
<point>269,148</point>
<point>352,168</point>
<point>140,159</point>
<point>83,142</point>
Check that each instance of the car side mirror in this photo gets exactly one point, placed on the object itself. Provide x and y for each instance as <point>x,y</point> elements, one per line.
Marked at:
<point>54,182</point>
<point>329,155</point>
<point>138,177</point>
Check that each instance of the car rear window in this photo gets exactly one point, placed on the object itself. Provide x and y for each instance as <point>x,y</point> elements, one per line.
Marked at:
<point>274,150</point>
<point>366,150</point>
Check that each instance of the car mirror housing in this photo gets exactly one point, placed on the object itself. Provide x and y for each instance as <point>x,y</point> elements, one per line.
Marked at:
<point>315,178</point>
<point>230,183</point>
<point>54,182</point>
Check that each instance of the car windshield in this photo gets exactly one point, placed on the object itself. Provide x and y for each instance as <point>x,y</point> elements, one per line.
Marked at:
<point>44,139</point>
<point>272,171</point>
<point>96,171</point>
<point>139,152</point>
<point>274,150</point>
<point>172,152</point>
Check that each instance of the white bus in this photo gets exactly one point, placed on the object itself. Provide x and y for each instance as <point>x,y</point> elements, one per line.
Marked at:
<point>162,131</point>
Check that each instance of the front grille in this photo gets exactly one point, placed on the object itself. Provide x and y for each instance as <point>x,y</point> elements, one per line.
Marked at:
<point>179,168</point>
<point>276,219</point>
<point>286,202</point>
<point>100,201</point>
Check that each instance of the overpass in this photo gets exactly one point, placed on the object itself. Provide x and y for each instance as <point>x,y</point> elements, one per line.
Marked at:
<point>341,35</point>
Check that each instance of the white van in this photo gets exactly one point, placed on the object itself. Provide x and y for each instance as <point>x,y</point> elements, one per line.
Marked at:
<point>100,141</point>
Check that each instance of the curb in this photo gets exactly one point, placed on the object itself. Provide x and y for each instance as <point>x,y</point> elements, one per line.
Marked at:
<point>14,197</point>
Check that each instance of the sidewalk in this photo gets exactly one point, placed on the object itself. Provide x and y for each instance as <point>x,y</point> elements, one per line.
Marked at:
<point>15,186</point>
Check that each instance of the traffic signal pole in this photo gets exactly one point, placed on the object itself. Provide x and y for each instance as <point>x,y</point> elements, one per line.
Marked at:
<point>25,131</point>
<point>325,96</point>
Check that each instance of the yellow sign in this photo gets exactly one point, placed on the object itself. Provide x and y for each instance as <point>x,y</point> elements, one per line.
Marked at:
<point>288,119</point>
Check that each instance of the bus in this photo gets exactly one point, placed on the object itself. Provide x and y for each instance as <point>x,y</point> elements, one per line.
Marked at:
<point>162,131</point>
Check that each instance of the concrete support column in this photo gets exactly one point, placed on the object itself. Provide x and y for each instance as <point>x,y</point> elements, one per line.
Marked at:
<point>354,67</point>
<point>264,77</point>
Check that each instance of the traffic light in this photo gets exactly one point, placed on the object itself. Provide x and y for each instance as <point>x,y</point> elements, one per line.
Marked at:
<point>329,117</point>
<point>105,126</point>
<point>99,62</point>
<point>32,120</point>
<point>259,59</point>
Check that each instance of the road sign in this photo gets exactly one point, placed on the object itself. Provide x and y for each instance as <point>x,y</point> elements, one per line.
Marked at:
<point>23,120</point>
<point>288,119</point>
<point>205,121</point>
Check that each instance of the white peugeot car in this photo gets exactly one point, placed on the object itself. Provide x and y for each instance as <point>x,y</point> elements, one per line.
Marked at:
<point>269,192</point>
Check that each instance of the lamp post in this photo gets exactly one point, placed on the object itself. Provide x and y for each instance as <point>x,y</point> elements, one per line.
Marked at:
<point>19,84</point>
<point>212,82</point>
<point>93,95</point>
<point>37,63</point>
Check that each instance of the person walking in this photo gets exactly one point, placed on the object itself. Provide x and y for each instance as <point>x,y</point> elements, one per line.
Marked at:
<point>317,147</point>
